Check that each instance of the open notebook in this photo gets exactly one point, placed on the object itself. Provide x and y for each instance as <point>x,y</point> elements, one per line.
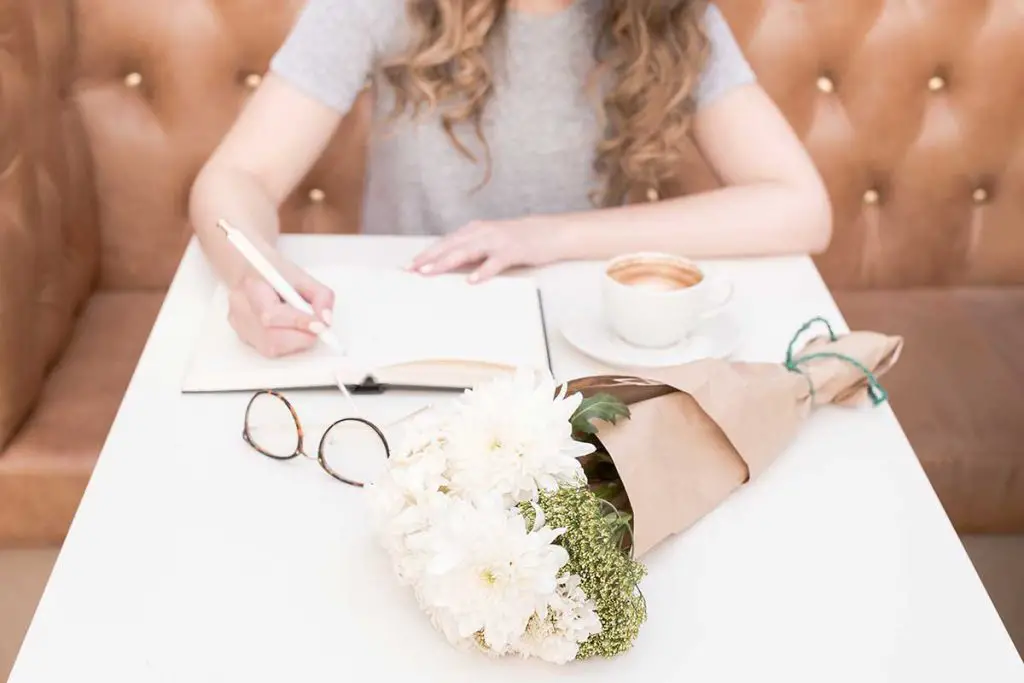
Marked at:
<point>399,329</point>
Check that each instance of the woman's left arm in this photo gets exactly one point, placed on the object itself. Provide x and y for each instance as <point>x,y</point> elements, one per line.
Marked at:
<point>773,200</point>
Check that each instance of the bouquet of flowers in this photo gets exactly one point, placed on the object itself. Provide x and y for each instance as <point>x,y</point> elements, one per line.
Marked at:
<point>518,514</point>
<point>486,514</point>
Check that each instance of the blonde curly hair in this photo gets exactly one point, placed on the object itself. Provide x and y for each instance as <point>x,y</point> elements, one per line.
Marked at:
<point>654,51</point>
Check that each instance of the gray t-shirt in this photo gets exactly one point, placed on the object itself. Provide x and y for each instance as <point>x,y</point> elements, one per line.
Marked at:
<point>541,124</point>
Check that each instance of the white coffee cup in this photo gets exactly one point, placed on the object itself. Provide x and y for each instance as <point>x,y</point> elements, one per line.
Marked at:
<point>656,300</point>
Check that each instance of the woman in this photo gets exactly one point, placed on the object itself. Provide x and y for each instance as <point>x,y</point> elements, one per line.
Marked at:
<point>515,131</point>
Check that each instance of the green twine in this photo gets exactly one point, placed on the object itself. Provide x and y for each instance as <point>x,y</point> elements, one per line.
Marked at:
<point>875,391</point>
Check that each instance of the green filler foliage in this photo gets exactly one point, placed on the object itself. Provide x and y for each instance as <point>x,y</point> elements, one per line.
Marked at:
<point>599,468</point>
<point>608,575</point>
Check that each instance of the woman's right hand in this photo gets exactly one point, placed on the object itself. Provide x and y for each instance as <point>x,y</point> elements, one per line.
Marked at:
<point>271,326</point>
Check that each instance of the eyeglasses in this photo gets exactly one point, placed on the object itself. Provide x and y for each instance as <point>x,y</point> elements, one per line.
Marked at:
<point>349,446</point>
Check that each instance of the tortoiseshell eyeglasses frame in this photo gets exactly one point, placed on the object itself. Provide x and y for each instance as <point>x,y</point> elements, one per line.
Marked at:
<point>299,450</point>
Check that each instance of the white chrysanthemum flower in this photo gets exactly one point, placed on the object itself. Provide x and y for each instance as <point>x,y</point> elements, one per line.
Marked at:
<point>422,431</point>
<point>400,523</point>
<point>444,622</point>
<point>556,633</point>
<point>512,438</point>
<point>445,515</point>
<point>487,573</point>
<point>404,501</point>
<point>408,480</point>
<point>423,472</point>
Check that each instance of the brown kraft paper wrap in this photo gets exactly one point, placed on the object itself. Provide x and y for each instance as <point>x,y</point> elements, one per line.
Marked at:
<point>699,431</point>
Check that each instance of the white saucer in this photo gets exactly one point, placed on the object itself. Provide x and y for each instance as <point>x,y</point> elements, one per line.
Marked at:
<point>717,338</point>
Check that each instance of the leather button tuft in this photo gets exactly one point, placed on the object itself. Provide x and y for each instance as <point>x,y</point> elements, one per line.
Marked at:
<point>871,197</point>
<point>826,84</point>
<point>253,80</point>
<point>980,195</point>
<point>652,194</point>
<point>133,80</point>
<point>316,195</point>
<point>936,83</point>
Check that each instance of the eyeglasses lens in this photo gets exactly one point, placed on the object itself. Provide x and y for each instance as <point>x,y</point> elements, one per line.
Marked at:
<point>354,450</point>
<point>271,426</point>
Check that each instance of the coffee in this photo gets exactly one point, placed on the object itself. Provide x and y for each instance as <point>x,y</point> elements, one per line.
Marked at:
<point>655,300</point>
<point>655,274</point>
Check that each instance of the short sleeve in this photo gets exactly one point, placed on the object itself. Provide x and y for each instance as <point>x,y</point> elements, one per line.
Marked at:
<point>726,67</point>
<point>332,47</point>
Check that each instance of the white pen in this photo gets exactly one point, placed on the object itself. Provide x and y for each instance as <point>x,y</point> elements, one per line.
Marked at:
<point>269,273</point>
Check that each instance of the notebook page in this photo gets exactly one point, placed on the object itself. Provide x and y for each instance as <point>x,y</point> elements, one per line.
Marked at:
<point>399,317</point>
<point>384,317</point>
<point>222,362</point>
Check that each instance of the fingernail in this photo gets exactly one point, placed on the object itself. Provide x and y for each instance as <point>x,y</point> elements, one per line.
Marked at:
<point>474,277</point>
<point>317,327</point>
<point>427,268</point>
<point>328,316</point>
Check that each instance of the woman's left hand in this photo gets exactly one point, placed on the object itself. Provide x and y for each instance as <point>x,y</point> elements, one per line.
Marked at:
<point>493,247</point>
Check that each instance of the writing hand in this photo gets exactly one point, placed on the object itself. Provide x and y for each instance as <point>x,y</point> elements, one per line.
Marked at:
<point>271,326</point>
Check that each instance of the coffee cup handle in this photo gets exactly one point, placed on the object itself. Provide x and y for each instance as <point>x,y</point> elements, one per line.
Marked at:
<point>720,294</point>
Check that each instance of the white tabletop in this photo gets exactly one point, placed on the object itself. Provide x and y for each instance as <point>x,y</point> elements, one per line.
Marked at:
<point>193,559</point>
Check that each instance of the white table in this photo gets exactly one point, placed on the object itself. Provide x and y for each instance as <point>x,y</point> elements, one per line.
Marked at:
<point>194,559</point>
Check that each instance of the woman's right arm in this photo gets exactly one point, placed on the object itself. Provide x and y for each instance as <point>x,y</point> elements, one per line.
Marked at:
<point>314,79</point>
<point>279,135</point>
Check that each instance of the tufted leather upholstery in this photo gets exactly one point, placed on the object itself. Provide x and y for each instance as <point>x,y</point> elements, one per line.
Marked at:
<point>108,108</point>
<point>48,227</point>
<point>45,468</point>
<point>913,113</point>
<point>958,392</point>
<point>157,95</point>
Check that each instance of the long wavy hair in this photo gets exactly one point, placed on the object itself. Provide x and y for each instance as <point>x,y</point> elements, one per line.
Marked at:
<point>652,52</point>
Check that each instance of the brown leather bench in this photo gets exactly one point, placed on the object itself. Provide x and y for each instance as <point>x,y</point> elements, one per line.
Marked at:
<point>107,112</point>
